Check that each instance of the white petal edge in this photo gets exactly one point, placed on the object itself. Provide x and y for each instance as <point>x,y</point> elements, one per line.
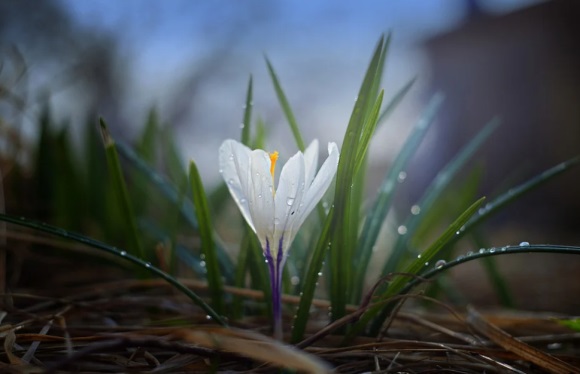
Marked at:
<point>234,163</point>
<point>321,182</point>
<point>311,162</point>
<point>260,195</point>
<point>288,198</point>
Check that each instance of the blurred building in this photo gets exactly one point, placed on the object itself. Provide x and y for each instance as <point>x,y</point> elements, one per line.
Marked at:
<point>524,67</point>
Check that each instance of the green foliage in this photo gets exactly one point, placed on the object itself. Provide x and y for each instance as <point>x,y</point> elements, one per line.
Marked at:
<point>142,197</point>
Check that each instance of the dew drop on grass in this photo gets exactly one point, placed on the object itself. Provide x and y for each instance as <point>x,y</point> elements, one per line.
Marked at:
<point>294,280</point>
<point>123,253</point>
<point>242,124</point>
<point>481,250</point>
<point>427,263</point>
<point>440,263</point>
<point>415,209</point>
<point>524,244</point>
<point>402,230</point>
<point>208,317</point>
<point>147,264</point>
<point>402,176</point>
<point>492,250</point>
<point>319,273</point>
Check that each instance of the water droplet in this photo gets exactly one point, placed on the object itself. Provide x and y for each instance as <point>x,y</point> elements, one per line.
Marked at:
<point>402,176</point>
<point>266,260</point>
<point>221,171</point>
<point>231,181</point>
<point>290,201</point>
<point>242,125</point>
<point>259,196</point>
<point>492,250</point>
<point>231,157</point>
<point>524,244</point>
<point>294,280</point>
<point>242,200</point>
<point>147,265</point>
<point>202,264</point>
<point>481,250</point>
<point>554,346</point>
<point>440,263</point>
<point>419,255</point>
<point>402,230</point>
<point>461,257</point>
<point>415,209</point>
<point>123,253</point>
<point>427,263</point>
<point>319,273</point>
<point>470,253</point>
<point>208,317</point>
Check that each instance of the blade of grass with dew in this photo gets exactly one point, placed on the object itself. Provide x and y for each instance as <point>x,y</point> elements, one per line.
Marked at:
<point>145,266</point>
<point>433,192</point>
<point>382,204</point>
<point>214,278</point>
<point>413,269</point>
<point>286,107</point>
<point>513,194</point>
<point>523,248</point>
<point>498,282</point>
<point>171,193</point>
<point>247,114</point>
<point>368,133</point>
<point>120,189</point>
<point>343,230</point>
<point>309,280</point>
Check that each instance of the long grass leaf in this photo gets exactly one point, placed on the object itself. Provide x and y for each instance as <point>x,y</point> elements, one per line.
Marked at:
<point>172,194</point>
<point>247,114</point>
<point>214,277</point>
<point>286,107</point>
<point>344,229</point>
<point>120,189</point>
<point>310,280</point>
<point>433,192</point>
<point>513,194</point>
<point>419,264</point>
<point>395,101</point>
<point>146,266</point>
<point>382,203</point>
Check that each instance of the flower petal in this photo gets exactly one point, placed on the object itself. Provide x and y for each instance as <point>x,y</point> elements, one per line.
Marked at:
<point>234,163</point>
<point>288,200</point>
<point>261,195</point>
<point>311,161</point>
<point>321,182</point>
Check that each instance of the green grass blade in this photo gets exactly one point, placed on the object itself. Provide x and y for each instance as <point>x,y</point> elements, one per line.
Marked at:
<point>286,107</point>
<point>345,223</point>
<point>419,264</point>
<point>208,248</point>
<point>120,189</point>
<point>523,248</point>
<point>513,194</point>
<point>382,204</point>
<point>433,192</point>
<point>395,101</point>
<point>172,194</point>
<point>310,279</point>
<point>146,266</point>
<point>247,114</point>
<point>147,144</point>
<point>370,126</point>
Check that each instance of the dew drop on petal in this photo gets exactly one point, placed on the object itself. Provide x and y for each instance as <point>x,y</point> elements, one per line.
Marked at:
<point>290,201</point>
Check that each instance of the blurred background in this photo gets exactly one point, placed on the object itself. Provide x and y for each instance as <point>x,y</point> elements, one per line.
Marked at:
<point>191,60</point>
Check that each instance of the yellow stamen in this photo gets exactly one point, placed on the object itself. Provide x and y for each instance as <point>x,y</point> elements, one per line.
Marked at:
<point>273,159</point>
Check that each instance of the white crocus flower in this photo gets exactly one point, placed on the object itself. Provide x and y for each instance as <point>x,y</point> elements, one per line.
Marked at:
<point>276,214</point>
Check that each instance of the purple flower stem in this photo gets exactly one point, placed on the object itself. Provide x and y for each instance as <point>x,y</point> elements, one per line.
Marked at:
<point>275,268</point>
